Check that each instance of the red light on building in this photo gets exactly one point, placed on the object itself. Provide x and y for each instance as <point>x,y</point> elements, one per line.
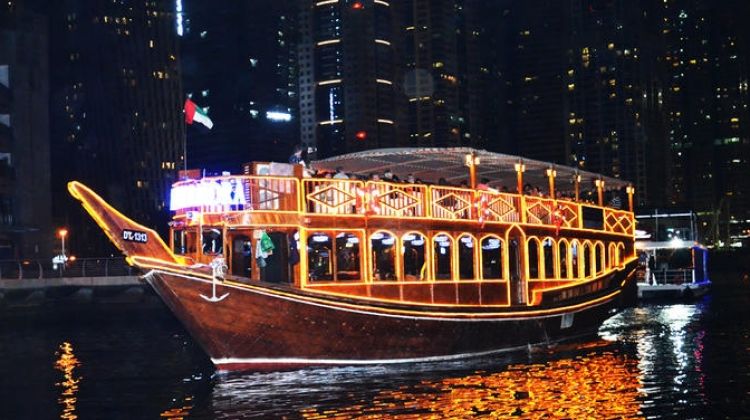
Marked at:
<point>361,135</point>
<point>358,5</point>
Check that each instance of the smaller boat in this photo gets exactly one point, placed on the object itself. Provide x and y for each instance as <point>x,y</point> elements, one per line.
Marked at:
<point>672,263</point>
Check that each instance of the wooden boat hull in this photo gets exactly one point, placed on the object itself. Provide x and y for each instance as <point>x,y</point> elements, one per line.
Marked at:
<point>268,328</point>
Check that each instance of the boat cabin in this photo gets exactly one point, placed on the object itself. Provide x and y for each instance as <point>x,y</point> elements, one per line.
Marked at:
<point>437,226</point>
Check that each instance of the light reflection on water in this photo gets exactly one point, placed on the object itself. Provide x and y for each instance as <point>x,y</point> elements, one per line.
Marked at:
<point>66,363</point>
<point>647,363</point>
<point>653,361</point>
<point>590,385</point>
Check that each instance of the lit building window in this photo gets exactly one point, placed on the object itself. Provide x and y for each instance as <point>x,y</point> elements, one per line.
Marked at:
<point>328,42</point>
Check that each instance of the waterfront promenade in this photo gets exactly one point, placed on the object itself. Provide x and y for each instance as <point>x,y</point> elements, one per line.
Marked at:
<point>33,283</point>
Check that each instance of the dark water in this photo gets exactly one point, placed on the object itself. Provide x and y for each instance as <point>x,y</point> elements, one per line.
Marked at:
<point>127,361</point>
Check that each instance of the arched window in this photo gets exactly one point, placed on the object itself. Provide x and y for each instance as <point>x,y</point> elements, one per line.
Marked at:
<point>619,254</point>
<point>586,259</point>
<point>414,250</point>
<point>600,257</point>
<point>383,246</point>
<point>575,257</point>
<point>548,252</point>
<point>492,258</point>
<point>466,246</point>
<point>611,255</point>
<point>532,247</point>
<point>564,258</point>
<point>319,261</point>
<point>348,256</point>
<point>443,251</point>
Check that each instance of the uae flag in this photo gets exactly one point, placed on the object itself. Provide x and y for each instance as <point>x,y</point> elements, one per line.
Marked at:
<point>195,113</point>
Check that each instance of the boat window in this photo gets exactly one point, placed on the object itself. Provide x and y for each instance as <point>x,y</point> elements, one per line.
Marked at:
<point>383,246</point>
<point>348,256</point>
<point>319,262</point>
<point>562,249</point>
<point>184,242</point>
<point>532,247</point>
<point>599,256</point>
<point>212,242</point>
<point>586,261</point>
<point>414,250</point>
<point>575,249</point>
<point>466,246</point>
<point>548,251</point>
<point>619,254</point>
<point>492,258</point>
<point>443,249</point>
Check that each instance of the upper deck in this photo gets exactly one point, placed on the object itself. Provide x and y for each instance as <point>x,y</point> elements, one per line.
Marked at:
<point>247,200</point>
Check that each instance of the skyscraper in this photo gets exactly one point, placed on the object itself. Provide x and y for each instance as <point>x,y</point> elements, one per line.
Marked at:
<point>575,85</point>
<point>239,61</point>
<point>704,98</point>
<point>116,109</point>
<point>349,86</point>
<point>376,73</point>
<point>25,203</point>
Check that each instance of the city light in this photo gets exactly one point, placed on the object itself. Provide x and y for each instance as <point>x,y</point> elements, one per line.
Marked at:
<point>178,16</point>
<point>278,116</point>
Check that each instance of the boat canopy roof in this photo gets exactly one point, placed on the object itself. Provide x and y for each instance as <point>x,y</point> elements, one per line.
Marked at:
<point>432,163</point>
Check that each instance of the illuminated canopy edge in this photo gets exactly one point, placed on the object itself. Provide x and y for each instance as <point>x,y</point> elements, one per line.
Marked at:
<point>432,163</point>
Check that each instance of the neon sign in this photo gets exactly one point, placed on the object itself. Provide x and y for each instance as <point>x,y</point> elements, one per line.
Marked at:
<point>226,194</point>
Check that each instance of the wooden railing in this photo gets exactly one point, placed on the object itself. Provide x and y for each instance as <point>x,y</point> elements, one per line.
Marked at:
<point>353,198</point>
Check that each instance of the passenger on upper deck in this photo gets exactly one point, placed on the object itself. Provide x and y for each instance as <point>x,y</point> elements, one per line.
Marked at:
<point>389,176</point>
<point>297,156</point>
<point>340,174</point>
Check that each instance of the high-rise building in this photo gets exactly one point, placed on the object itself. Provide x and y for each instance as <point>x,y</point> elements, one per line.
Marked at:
<point>349,66</point>
<point>441,72</point>
<point>575,85</point>
<point>117,121</point>
<point>377,73</point>
<point>704,98</point>
<point>25,203</point>
<point>239,61</point>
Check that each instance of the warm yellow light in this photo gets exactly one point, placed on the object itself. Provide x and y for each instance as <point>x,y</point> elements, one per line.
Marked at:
<point>551,172</point>
<point>62,233</point>
<point>520,167</point>
<point>629,189</point>
<point>471,160</point>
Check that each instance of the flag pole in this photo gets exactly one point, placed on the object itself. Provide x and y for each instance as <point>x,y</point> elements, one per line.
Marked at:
<point>184,139</point>
<point>184,149</point>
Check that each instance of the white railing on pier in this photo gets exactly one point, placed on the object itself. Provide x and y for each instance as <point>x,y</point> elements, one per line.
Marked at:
<point>81,267</point>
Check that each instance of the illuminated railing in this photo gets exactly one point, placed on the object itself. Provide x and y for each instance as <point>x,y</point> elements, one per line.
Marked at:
<point>539,211</point>
<point>451,203</point>
<point>398,200</point>
<point>498,207</point>
<point>332,196</point>
<point>353,198</point>
<point>618,221</point>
